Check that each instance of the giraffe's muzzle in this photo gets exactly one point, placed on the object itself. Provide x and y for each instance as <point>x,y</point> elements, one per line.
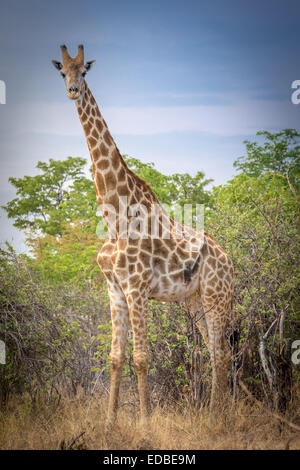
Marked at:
<point>73,92</point>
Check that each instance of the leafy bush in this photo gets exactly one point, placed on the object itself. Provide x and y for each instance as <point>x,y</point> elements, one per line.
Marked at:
<point>46,330</point>
<point>256,221</point>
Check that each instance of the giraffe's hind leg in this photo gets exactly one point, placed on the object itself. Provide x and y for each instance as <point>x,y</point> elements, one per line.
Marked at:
<point>196,311</point>
<point>210,318</point>
<point>138,305</point>
<point>219,351</point>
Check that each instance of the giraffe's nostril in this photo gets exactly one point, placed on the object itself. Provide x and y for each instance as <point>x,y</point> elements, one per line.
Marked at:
<point>73,89</point>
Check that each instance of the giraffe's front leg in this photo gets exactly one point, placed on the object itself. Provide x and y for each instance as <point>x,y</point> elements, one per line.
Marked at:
<point>138,304</point>
<point>119,315</point>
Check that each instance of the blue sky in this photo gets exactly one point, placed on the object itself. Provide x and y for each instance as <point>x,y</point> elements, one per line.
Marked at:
<point>181,84</point>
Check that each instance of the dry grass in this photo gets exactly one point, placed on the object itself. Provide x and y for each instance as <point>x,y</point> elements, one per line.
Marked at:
<point>78,423</point>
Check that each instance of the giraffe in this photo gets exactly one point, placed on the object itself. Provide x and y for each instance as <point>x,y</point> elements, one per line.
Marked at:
<point>175,263</point>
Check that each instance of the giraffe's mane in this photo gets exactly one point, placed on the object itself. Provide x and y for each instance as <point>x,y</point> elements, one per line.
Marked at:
<point>145,184</point>
<point>139,180</point>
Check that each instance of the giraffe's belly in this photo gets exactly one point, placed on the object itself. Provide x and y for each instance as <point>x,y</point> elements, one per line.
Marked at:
<point>171,287</point>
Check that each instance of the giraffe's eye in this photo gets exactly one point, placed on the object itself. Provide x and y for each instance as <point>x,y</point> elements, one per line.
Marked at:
<point>63,75</point>
<point>83,74</point>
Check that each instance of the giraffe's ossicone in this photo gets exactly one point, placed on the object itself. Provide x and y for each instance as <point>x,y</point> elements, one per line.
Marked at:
<point>164,261</point>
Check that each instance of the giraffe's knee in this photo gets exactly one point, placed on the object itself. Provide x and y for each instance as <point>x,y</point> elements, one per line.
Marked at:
<point>219,360</point>
<point>116,360</point>
<point>140,362</point>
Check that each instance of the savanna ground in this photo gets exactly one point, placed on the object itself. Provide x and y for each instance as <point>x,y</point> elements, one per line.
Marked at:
<point>78,423</point>
<point>55,318</point>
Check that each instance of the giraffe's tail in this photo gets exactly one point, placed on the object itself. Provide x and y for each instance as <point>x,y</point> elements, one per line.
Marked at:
<point>234,336</point>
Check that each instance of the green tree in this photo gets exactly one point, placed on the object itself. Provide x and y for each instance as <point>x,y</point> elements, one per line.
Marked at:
<point>47,201</point>
<point>255,220</point>
<point>278,154</point>
<point>190,189</point>
<point>73,256</point>
<point>173,189</point>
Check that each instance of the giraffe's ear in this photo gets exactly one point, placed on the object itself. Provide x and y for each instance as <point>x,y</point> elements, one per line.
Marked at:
<point>57,64</point>
<point>89,65</point>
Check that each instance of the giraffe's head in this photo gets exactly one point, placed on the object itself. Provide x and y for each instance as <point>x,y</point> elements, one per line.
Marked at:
<point>73,71</point>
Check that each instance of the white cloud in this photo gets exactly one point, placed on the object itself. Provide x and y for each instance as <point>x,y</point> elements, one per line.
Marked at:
<point>238,119</point>
<point>242,117</point>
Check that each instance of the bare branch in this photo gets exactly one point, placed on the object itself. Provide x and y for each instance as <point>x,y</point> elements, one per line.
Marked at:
<point>262,354</point>
<point>275,415</point>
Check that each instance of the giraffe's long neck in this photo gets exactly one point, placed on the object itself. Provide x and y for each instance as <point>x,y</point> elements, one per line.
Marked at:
<point>112,177</point>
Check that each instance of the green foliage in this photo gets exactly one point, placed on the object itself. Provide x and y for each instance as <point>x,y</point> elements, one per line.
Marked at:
<point>177,188</point>
<point>73,256</point>
<point>47,202</point>
<point>279,154</point>
<point>255,219</point>
<point>103,341</point>
<point>46,330</point>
